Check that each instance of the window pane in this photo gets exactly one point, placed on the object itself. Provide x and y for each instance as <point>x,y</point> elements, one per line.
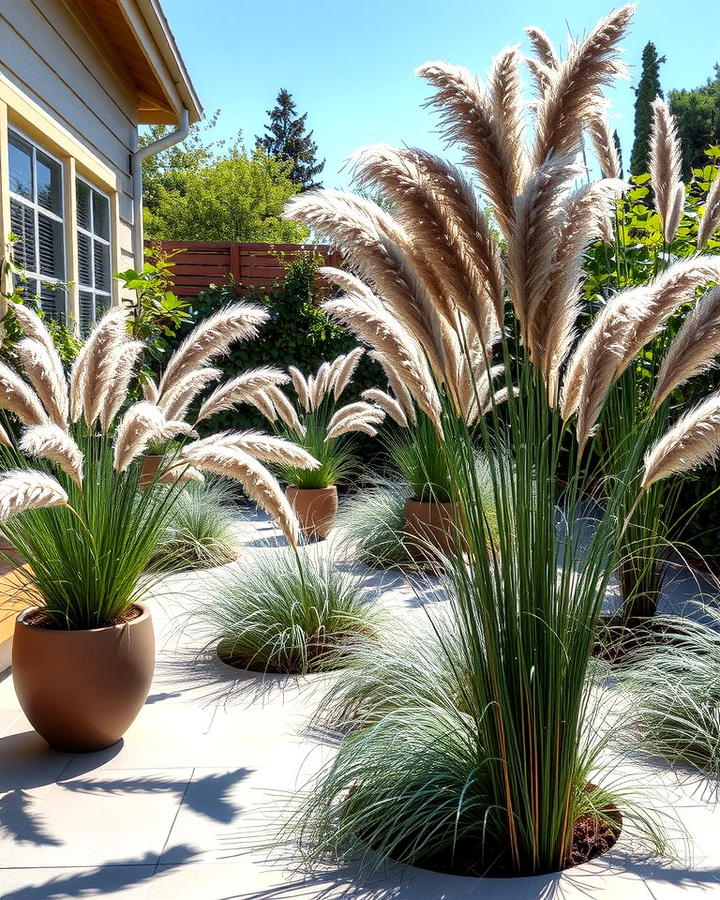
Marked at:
<point>22,224</point>
<point>48,175</point>
<point>101,215</point>
<point>20,154</point>
<point>84,261</point>
<point>83,204</point>
<point>102,266</point>
<point>52,300</point>
<point>87,312</point>
<point>50,245</point>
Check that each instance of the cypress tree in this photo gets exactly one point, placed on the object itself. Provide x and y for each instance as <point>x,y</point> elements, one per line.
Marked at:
<point>287,140</point>
<point>647,90</point>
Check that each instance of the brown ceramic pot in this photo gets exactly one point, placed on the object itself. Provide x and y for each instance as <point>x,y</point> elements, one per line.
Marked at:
<point>430,523</point>
<point>150,466</point>
<point>81,690</point>
<point>315,508</point>
<point>7,548</point>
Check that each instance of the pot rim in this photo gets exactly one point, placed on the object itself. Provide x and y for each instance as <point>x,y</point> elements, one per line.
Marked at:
<point>322,490</point>
<point>144,616</point>
<point>445,504</point>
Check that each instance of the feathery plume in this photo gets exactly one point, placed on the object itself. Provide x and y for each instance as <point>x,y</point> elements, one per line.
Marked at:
<point>54,443</point>
<point>710,220</point>
<point>575,85</point>
<point>35,329</point>
<point>176,400</point>
<point>241,389</point>
<point>694,349</point>
<point>42,373</point>
<point>543,47</point>
<point>389,405</point>
<point>665,163</point>
<point>150,389</point>
<point>4,438</point>
<point>354,417</point>
<point>345,370</point>
<point>261,446</point>
<point>213,337</point>
<point>301,387</point>
<point>381,252</point>
<point>505,94</point>
<point>24,489</point>
<point>692,441</point>
<point>92,372</point>
<point>19,398</point>
<point>604,145</point>
<point>258,483</point>
<point>467,119</point>
<point>402,394</point>
<point>320,385</point>
<point>285,410</point>
<point>142,424</point>
<point>185,475</point>
<point>125,358</point>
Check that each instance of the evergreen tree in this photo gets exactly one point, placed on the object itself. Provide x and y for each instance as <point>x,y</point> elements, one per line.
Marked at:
<point>287,140</point>
<point>646,91</point>
<point>618,148</point>
<point>698,119</point>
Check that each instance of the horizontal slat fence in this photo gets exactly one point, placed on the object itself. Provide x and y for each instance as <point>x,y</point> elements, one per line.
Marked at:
<point>198,264</point>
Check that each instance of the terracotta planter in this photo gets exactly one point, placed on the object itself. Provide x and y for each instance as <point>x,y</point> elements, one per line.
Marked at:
<point>150,466</point>
<point>430,523</point>
<point>315,508</point>
<point>7,548</point>
<point>81,690</point>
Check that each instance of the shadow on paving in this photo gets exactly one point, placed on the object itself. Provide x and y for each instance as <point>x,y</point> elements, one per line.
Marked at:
<point>208,795</point>
<point>101,881</point>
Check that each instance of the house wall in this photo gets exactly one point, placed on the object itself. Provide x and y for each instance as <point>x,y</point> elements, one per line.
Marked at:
<point>54,58</point>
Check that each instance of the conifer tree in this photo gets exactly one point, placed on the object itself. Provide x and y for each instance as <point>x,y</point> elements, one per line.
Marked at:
<point>647,90</point>
<point>286,139</point>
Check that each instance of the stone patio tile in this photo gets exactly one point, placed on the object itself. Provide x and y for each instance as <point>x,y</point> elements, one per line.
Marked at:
<point>106,817</point>
<point>227,814</point>
<point>162,738</point>
<point>131,882</point>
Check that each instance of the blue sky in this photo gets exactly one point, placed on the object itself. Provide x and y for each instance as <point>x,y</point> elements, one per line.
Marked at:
<point>350,63</point>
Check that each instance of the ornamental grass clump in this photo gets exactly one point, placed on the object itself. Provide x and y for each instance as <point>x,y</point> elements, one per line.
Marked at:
<point>511,785</point>
<point>292,613</point>
<point>674,685</point>
<point>201,532</point>
<point>75,513</point>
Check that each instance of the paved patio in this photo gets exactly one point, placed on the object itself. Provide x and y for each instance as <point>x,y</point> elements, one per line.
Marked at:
<point>175,809</point>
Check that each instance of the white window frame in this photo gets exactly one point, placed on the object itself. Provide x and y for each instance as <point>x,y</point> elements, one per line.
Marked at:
<point>93,236</point>
<point>36,209</point>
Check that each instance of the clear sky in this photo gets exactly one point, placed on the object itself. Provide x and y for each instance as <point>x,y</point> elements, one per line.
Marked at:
<point>350,63</point>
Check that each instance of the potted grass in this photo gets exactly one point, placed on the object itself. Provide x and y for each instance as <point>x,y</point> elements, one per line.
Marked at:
<point>509,779</point>
<point>83,653</point>
<point>315,422</point>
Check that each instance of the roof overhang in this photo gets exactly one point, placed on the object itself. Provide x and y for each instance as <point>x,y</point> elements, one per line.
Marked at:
<point>140,35</point>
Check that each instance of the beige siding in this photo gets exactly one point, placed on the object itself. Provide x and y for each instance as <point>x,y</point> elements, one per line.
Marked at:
<point>53,54</point>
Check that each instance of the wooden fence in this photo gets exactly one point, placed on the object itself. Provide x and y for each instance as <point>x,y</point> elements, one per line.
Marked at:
<point>200,264</point>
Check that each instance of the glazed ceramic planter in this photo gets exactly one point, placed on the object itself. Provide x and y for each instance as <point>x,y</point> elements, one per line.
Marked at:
<point>315,508</point>
<point>150,466</point>
<point>430,523</point>
<point>81,690</point>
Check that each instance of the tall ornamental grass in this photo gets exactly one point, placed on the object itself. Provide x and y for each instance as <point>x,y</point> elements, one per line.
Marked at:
<point>445,297</point>
<point>78,517</point>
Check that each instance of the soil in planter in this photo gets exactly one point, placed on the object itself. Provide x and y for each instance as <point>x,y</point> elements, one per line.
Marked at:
<point>591,838</point>
<point>40,619</point>
<point>314,655</point>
